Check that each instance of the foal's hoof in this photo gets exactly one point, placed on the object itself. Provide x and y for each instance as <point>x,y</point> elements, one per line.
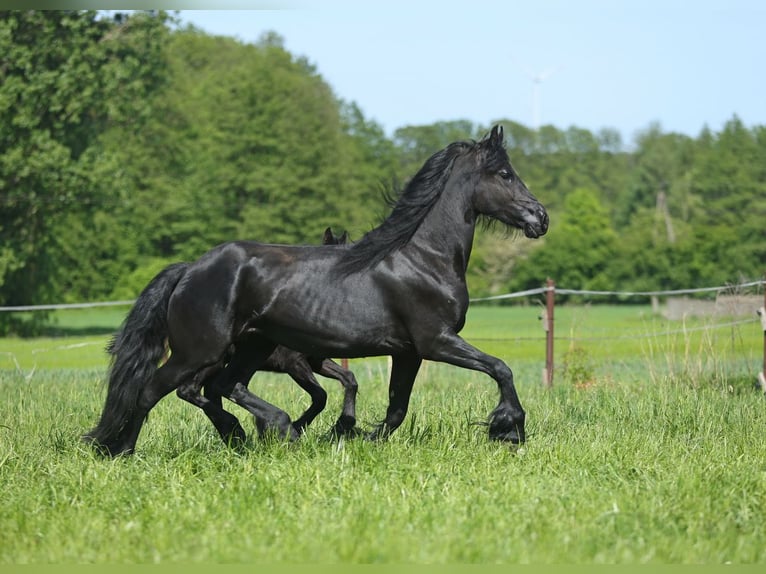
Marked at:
<point>235,438</point>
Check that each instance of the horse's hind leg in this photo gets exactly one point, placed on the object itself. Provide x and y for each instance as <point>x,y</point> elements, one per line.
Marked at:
<point>346,423</point>
<point>165,379</point>
<point>225,423</point>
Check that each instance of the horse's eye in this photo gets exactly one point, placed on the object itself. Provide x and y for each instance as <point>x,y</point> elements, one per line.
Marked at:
<point>505,173</point>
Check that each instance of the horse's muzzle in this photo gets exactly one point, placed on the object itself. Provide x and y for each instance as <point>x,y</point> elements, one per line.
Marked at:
<point>539,227</point>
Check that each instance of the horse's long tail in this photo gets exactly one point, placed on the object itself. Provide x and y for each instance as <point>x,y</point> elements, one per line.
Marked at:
<point>136,351</point>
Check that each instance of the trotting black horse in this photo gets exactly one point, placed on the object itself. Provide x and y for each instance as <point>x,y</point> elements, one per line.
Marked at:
<point>399,291</point>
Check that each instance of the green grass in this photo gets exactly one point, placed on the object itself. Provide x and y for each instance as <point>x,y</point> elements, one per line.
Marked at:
<point>657,455</point>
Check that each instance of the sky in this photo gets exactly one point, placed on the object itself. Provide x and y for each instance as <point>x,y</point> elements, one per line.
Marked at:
<point>604,63</point>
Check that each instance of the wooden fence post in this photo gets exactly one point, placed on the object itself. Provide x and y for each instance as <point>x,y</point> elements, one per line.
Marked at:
<point>549,305</point>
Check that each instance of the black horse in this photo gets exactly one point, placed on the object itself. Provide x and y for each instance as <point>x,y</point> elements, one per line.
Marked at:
<point>399,291</point>
<point>298,365</point>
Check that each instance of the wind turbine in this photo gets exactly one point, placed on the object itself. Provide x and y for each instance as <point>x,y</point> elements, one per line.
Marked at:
<point>537,80</point>
<point>536,83</point>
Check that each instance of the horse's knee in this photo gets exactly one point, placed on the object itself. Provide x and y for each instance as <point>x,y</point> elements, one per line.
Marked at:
<point>500,371</point>
<point>349,382</point>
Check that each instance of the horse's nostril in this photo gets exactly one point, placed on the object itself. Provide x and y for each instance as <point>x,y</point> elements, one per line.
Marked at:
<point>544,220</point>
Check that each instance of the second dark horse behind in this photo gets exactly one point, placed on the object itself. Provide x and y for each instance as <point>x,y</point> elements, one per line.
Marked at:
<point>399,291</point>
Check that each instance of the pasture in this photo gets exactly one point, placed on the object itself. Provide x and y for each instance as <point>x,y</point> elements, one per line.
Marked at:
<point>650,448</point>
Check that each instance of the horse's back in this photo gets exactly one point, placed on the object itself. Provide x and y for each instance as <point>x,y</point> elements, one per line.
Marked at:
<point>291,295</point>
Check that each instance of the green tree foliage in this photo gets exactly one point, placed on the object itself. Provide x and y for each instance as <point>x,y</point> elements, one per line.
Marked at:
<point>127,144</point>
<point>578,250</point>
<point>729,190</point>
<point>64,77</point>
<point>418,143</point>
<point>248,141</point>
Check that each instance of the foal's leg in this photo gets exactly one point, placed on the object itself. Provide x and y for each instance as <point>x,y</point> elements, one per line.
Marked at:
<point>300,370</point>
<point>404,368</point>
<point>249,355</point>
<point>268,417</point>
<point>226,424</point>
<point>346,423</point>
<point>506,421</point>
<point>240,369</point>
<point>252,354</point>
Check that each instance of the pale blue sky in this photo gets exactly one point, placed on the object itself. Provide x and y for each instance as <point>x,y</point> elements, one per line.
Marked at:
<point>614,63</point>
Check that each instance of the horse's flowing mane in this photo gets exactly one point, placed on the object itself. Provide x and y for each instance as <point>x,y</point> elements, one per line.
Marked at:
<point>411,207</point>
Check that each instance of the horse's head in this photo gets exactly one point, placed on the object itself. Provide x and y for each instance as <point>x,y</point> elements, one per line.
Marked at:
<point>501,194</point>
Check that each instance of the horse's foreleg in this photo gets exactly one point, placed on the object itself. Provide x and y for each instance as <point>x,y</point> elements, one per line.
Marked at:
<point>346,423</point>
<point>404,368</point>
<point>506,422</point>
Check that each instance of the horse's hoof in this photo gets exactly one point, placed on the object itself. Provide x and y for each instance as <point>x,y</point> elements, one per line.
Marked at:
<point>514,435</point>
<point>505,426</point>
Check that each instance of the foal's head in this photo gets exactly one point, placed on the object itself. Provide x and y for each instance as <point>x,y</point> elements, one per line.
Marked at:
<point>330,238</point>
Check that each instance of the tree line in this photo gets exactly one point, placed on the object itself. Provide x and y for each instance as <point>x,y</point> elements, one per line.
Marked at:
<point>127,143</point>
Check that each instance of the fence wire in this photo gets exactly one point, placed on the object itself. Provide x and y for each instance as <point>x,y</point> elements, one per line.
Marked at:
<point>604,334</point>
<point>516,294</point>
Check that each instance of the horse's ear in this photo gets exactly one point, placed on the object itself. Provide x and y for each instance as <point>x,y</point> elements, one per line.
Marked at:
<point>343,239</point>
<point>328,238</point>
<point>496,136</point>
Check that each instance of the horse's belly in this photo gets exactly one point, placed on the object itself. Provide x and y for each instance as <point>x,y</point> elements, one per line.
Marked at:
<point>334,333</point>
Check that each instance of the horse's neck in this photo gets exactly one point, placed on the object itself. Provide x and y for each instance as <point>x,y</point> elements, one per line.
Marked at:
<point>446,234</point>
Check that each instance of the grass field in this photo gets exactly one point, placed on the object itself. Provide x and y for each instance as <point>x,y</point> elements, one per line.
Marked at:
<point>650,448</point>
